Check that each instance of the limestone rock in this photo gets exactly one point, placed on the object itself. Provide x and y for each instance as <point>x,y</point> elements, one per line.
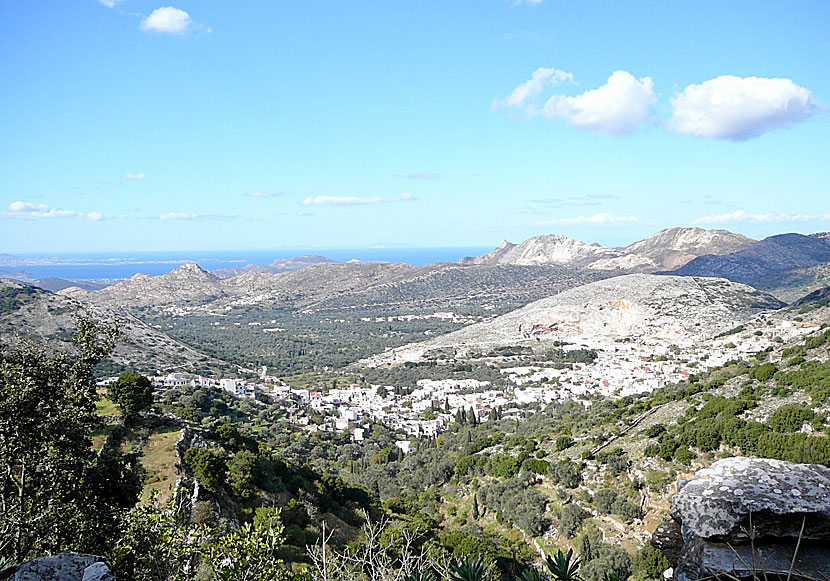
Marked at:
<point>61,567</point>
<point>98,572</point>
<point>668,538</point>
<point>779,495</point>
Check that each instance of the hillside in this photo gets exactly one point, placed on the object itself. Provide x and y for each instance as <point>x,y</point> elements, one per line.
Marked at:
<point>314,283</point>
<point>638,308</point>
<point>30,312</point>
<point>595,474</point>
<point>669,248</point>
<point>455,288</point>
<point>184,285</point>
<point>765,265</point>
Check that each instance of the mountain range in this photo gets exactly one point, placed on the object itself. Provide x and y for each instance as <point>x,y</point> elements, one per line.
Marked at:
<point>609,288</point>
<point>667,249</point>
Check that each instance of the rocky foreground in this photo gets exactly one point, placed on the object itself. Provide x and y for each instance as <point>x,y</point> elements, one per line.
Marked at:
<point>739,519</point>
<point>745,518</point>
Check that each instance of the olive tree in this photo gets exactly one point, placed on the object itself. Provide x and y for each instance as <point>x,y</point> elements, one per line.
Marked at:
<point>132,393</point>
<point>56,491</point>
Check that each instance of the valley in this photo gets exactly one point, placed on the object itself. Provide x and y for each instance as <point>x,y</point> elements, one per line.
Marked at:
<point>522,403</point>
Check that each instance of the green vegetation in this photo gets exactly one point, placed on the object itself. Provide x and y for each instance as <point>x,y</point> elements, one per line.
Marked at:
<point>471,501</point>
<point>132,393</point>
<point>58,493</point>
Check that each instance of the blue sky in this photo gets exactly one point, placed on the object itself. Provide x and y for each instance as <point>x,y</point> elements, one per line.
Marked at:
<point>137,125</point>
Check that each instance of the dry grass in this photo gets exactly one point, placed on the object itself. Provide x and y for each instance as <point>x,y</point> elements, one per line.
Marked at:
<point>104,406</point>
<point>158,459</point>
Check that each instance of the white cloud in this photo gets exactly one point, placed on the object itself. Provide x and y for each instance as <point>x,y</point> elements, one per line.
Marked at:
<point>109,3</point>
<point>743,216</point>
<point>262,194</point>
<point>532,87</point>
<point>167,19</point>
<point>135,176</point>
<point>353,200</point>
<point>28,211</point>
<point>602,219</point>
<point>740,108</point>
<point>616,108</point>
<point>179,216</point>
<point>422,175</point>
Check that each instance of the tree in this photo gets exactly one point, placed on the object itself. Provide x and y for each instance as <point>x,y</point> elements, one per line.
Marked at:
<point>153,544</point>
<point>132,393</point>
<point>56,491</point>
<point>604,500</point>
<point>242,469</point>
<point>209,467</point>
<point>249,553</point>
<point>650,562</point>
<point>609,562</point>
<point>564,442</point>
<point>570,519</point>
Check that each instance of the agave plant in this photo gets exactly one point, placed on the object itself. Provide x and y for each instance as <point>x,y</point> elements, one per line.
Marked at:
<point>613,576</point>
<point>469,570</point>
<point>563,566</point>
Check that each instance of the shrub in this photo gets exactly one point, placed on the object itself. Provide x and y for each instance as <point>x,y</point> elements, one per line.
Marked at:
<point>765,371</point>
<point>790,418</point>
<point>208,466</point>
<point>570,519</point>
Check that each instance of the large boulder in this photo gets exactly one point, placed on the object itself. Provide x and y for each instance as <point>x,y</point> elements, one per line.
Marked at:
<point>746,518</point>
<point>775,496</point>
<point>61,567</point>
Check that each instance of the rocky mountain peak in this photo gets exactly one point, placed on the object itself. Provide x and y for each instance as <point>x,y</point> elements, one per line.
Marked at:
<point>546,249</point>
<point>673,247</point>
<point>667,249</point>
<point>189,269</point>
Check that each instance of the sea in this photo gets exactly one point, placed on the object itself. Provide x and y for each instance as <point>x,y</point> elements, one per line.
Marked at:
<point>115,266</point>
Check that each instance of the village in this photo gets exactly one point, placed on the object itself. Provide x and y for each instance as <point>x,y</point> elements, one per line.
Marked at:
<point>429,406</point>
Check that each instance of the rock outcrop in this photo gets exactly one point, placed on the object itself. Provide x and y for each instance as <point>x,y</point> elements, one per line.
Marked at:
<point>61,567</point>
<point>744,517</point>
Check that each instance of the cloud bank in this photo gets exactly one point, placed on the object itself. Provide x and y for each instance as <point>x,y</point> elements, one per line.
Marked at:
<point>422,175</point>
<point>353,200</point>
<point>618,107</point>
<point>726,107</point>
<point>533,86</point>
<point>740,108</point>
<point>28,211</point>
